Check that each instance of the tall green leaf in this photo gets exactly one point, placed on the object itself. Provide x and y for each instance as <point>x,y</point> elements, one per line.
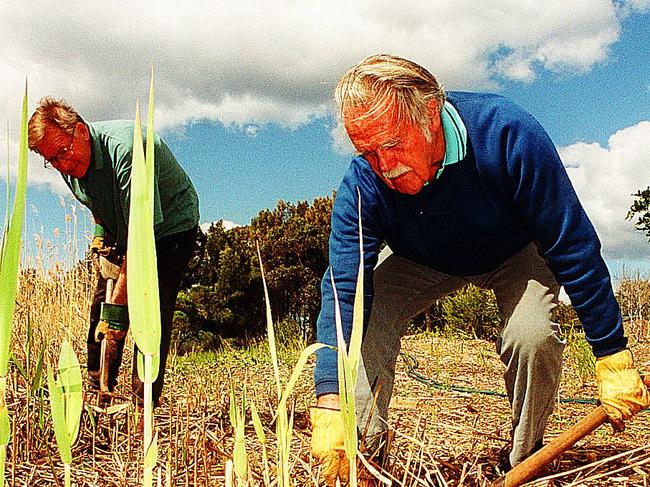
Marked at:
<point>71,386</point>
<point>9,262</point>
<point>349,358</point>
<point>57,407</point>
<point>11,247</point>
<point>357,316</point>
<point>142,274</point>
<point>238,422</point>
<point>269,328</point>
<point>297,369</point>
<point>261,436</point>
<point>66,400</point>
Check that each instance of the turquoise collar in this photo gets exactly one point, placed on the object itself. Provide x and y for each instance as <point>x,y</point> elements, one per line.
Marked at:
<point>455,136</point>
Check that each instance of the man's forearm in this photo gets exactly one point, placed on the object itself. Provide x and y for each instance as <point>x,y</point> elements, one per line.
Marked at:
<point>119,290</point>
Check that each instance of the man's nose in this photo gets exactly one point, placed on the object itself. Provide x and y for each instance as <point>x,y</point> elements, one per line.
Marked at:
<point>386,161</point>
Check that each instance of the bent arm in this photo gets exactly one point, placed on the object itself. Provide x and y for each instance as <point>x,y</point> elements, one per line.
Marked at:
<point>119,290</point>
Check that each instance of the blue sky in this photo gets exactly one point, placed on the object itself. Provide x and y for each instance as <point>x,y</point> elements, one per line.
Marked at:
<point>244,90</point>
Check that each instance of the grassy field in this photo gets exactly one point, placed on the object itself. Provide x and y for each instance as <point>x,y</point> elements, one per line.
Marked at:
<point>439,436</point>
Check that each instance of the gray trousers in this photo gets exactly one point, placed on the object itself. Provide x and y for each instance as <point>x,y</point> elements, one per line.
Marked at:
<point>529,344</point>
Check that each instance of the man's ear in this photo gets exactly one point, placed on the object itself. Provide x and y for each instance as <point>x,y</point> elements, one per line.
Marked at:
<point>433,105</point>
<point>82,129</point>
<point>434,111</point>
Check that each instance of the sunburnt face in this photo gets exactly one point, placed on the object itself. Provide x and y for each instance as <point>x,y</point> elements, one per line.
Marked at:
<point>399,154</point>
<point>68,153</point>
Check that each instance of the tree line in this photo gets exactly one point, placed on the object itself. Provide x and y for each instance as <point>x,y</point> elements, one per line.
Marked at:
<point>222,290</point>
<point>223,297</point>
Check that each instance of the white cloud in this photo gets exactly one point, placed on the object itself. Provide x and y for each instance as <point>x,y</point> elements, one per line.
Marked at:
<point>252,63</point>
<point>341,142</point>
<point>227,225</point>
<point>251,130</point>
<point>605,179</point>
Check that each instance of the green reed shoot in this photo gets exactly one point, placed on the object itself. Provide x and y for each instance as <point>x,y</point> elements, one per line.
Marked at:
<point>9,263</point>
<point>142,276</point>
<point>348,361</point>
<point>238,422</point>
<point>66,402</point>
<point>261,436</point>
<point>283,424</point>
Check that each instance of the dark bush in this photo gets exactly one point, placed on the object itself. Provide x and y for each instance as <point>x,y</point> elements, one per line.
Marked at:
<point>473,312</point>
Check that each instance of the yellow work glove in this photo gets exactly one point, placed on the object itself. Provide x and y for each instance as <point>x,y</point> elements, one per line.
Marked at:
<point>327,444</point>
<point>113,322</point>
<point>620,388</point>
<point>97,246</point>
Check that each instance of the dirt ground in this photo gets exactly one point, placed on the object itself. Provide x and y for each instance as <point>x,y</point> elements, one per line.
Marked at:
<point>466,433</point>
<point>442,435</point>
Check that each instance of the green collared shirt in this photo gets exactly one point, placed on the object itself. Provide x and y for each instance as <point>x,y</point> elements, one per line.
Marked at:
<point>105,189</point>
<point>455,136</point>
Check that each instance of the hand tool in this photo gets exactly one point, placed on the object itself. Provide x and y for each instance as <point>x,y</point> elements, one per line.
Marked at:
<point>527,469</point>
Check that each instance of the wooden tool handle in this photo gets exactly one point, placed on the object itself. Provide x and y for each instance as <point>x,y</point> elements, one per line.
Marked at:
<point>525,470</point>
<point>105,354</point>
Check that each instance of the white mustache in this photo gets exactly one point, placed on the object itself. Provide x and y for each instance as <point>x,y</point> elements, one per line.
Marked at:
<point>396,171</point>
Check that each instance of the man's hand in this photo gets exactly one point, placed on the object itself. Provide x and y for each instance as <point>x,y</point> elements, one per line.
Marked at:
<point>113,322</point>
<point>620,388</point>
<point>106,330</point>
<point>327,440</point>
<point>97,246</point>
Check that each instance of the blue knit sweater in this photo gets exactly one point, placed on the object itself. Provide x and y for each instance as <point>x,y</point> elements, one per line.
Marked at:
<point>509,190</point>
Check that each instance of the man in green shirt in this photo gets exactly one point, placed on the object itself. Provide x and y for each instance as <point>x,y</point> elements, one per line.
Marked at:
<point>94,159</point>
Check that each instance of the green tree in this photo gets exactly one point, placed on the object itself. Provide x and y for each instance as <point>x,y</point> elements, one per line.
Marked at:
<point>641,208</point>
<point>293,243</point>
<point>223,290</point>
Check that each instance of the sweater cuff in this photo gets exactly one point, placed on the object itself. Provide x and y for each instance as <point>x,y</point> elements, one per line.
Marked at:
<point>99,231</point>
<point>610,348</point>
<point>327,386</point>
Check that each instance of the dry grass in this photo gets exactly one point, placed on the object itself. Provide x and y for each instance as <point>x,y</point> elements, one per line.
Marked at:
<point>439,437</point>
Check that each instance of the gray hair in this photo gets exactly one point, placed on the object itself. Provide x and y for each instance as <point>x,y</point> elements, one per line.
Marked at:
<point>383,81</point>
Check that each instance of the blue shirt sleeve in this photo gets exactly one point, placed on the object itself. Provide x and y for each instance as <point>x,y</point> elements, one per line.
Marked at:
<point>543,194</point>
<point>344,264</point>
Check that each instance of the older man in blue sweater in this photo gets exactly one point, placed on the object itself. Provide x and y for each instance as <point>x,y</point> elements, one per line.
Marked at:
<point>463,188</point>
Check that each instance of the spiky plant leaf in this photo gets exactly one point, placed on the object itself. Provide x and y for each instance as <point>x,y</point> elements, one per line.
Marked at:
<point>238,421</point>
<point>11,247</point>
<point>349,358</point>
<point>357,315</point>
<point>297,369</point>
<point>269,328</point>
<point>142,276</point>
<point>71,385</point>
<point>232,409</point>
<point>9,262</point>
<point>257,424</point>
<point>57,407</point>
<point>37,379</point>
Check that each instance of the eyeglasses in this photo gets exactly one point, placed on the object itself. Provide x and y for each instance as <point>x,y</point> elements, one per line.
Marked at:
<point>63,153</point>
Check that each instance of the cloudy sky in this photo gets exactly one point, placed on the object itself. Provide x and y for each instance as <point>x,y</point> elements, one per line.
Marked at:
<point>244,89</point>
